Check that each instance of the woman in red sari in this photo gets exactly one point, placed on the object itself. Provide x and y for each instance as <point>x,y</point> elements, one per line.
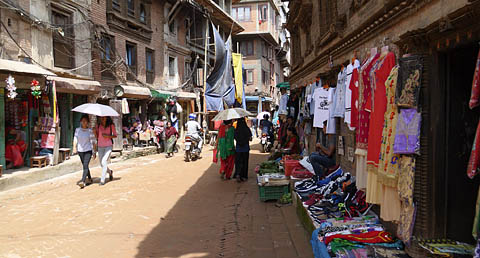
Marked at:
<point>14,148</point>
<point>226,149</point>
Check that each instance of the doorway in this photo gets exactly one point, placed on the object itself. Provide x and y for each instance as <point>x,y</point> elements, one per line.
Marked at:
<point>461,191</point>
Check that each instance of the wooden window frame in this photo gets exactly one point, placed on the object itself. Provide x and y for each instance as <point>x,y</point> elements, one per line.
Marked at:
<point>150,74</point>
<point>131,11</point>
<point>263,12</point>
<point>131,76</point>
<point>107,67</point>
<point>244,48</point>
<point>117,5</point>
<point>250,82</point>
<point>145,15</point>
<point>67,40</point>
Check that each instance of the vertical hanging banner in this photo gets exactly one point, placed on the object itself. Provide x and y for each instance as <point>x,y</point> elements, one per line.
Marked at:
<point>237,70</point>
<point>54,94</point>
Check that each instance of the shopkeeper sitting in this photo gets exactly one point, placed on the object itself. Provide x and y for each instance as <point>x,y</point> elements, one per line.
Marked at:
<point>14,147</point>
<point>324,158</point>
<point>290,146</point>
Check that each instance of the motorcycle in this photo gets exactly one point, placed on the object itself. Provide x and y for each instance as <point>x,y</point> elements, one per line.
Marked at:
<point>266,142</point>
<point>192,151</point>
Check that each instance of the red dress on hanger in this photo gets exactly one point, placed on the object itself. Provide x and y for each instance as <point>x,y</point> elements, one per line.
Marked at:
<point>378,111</point>
<point>364,113</point>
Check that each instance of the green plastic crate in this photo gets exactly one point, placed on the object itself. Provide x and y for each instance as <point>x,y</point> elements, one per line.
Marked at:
<point>272,192</point>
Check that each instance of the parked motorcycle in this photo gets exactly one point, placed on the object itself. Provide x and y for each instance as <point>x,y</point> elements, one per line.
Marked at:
<point>192,150</point>
<point>266,142</point>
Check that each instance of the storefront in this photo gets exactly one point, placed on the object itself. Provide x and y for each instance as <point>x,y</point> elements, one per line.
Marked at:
<point>72,93</point>
<point>187,102</point>
<point>132,103</point>
<point>20,110</point>
<point>256,104</point>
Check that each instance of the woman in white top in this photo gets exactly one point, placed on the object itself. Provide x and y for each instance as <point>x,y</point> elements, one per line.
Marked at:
<point>84,143</point>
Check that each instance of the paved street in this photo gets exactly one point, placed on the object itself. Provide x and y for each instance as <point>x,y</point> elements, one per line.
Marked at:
<point>154,208</point>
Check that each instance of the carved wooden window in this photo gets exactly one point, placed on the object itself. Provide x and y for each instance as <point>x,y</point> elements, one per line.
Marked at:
<point>63,40</point>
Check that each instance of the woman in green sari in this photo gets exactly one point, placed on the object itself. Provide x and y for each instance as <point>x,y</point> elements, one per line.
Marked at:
<point>226,149</point>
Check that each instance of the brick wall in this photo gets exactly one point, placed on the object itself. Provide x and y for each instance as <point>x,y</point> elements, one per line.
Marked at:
<point>98,16</point>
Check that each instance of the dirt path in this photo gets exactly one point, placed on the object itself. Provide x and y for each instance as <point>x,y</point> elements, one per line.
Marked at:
<point>154,208</point>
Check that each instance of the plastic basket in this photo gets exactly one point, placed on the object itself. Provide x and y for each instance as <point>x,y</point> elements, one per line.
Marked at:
<point>272,192</point>
<point>290,165</point>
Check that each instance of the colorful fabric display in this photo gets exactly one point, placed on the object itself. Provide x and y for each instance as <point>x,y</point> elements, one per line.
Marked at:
<point>368,237</point>
<point>410,81</point>
<point>407,138</point>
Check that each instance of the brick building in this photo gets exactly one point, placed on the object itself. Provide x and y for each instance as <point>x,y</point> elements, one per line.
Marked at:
<point>44,41</point>
<point>444,36</point>
<point>261,47</point>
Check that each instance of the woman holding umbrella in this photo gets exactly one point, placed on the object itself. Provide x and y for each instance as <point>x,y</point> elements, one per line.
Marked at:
<point>84,144</point>
<point>105,133</point>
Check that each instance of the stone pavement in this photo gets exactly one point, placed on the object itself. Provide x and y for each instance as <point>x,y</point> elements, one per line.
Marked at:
<point>154,208</point>
<point>14,178</point>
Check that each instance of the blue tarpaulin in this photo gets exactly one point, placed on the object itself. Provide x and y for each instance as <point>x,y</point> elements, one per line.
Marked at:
<point>220,87</point>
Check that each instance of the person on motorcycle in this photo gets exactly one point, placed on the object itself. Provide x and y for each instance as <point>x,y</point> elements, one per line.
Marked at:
<point>193,130</point>
<point>267,127</point>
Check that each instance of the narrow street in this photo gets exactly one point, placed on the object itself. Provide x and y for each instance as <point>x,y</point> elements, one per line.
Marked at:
<point>154,208</point>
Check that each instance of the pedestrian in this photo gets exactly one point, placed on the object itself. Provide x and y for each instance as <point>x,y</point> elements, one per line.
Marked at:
<point>85,145</point>
<point>226,149</point>
<point>105,134</point>
<point>171,136</point>
<point>255,126</point>
<point>243,136</point>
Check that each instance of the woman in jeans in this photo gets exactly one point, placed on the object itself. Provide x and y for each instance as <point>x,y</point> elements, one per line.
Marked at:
<point>105,133</point>
<point>84,144</point>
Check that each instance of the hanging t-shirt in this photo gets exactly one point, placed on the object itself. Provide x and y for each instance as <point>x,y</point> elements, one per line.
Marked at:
<point>348,92</point>
<point>282,109</point>
<point>315,86</point>
<point>320,96</point>
<point>331,125</point>
<point>339,110</point>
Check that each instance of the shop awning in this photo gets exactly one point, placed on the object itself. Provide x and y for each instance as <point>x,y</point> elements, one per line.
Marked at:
<point>21,67</point>
<point>255,98</point>
<point>134,92</point>
<point>284,85</point>
<point>75,86</point>
<point>186,95</point>
<point>160,94</point>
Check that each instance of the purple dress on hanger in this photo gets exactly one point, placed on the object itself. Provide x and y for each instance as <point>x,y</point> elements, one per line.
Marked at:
<point>407,137</point>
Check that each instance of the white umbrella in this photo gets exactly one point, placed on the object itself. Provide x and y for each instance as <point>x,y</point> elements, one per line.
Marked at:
<point>96,109</point>
<point>260,116</point>
<point>231,113</point>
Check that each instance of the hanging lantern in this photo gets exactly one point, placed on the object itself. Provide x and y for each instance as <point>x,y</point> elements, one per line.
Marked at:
<point>36,92</point>
<point>12,89</point>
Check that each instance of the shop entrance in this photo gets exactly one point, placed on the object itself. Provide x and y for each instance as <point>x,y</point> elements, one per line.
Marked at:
<point>461,191</point>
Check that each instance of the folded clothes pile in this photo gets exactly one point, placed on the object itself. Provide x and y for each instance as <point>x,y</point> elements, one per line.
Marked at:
<point>345,225</point>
